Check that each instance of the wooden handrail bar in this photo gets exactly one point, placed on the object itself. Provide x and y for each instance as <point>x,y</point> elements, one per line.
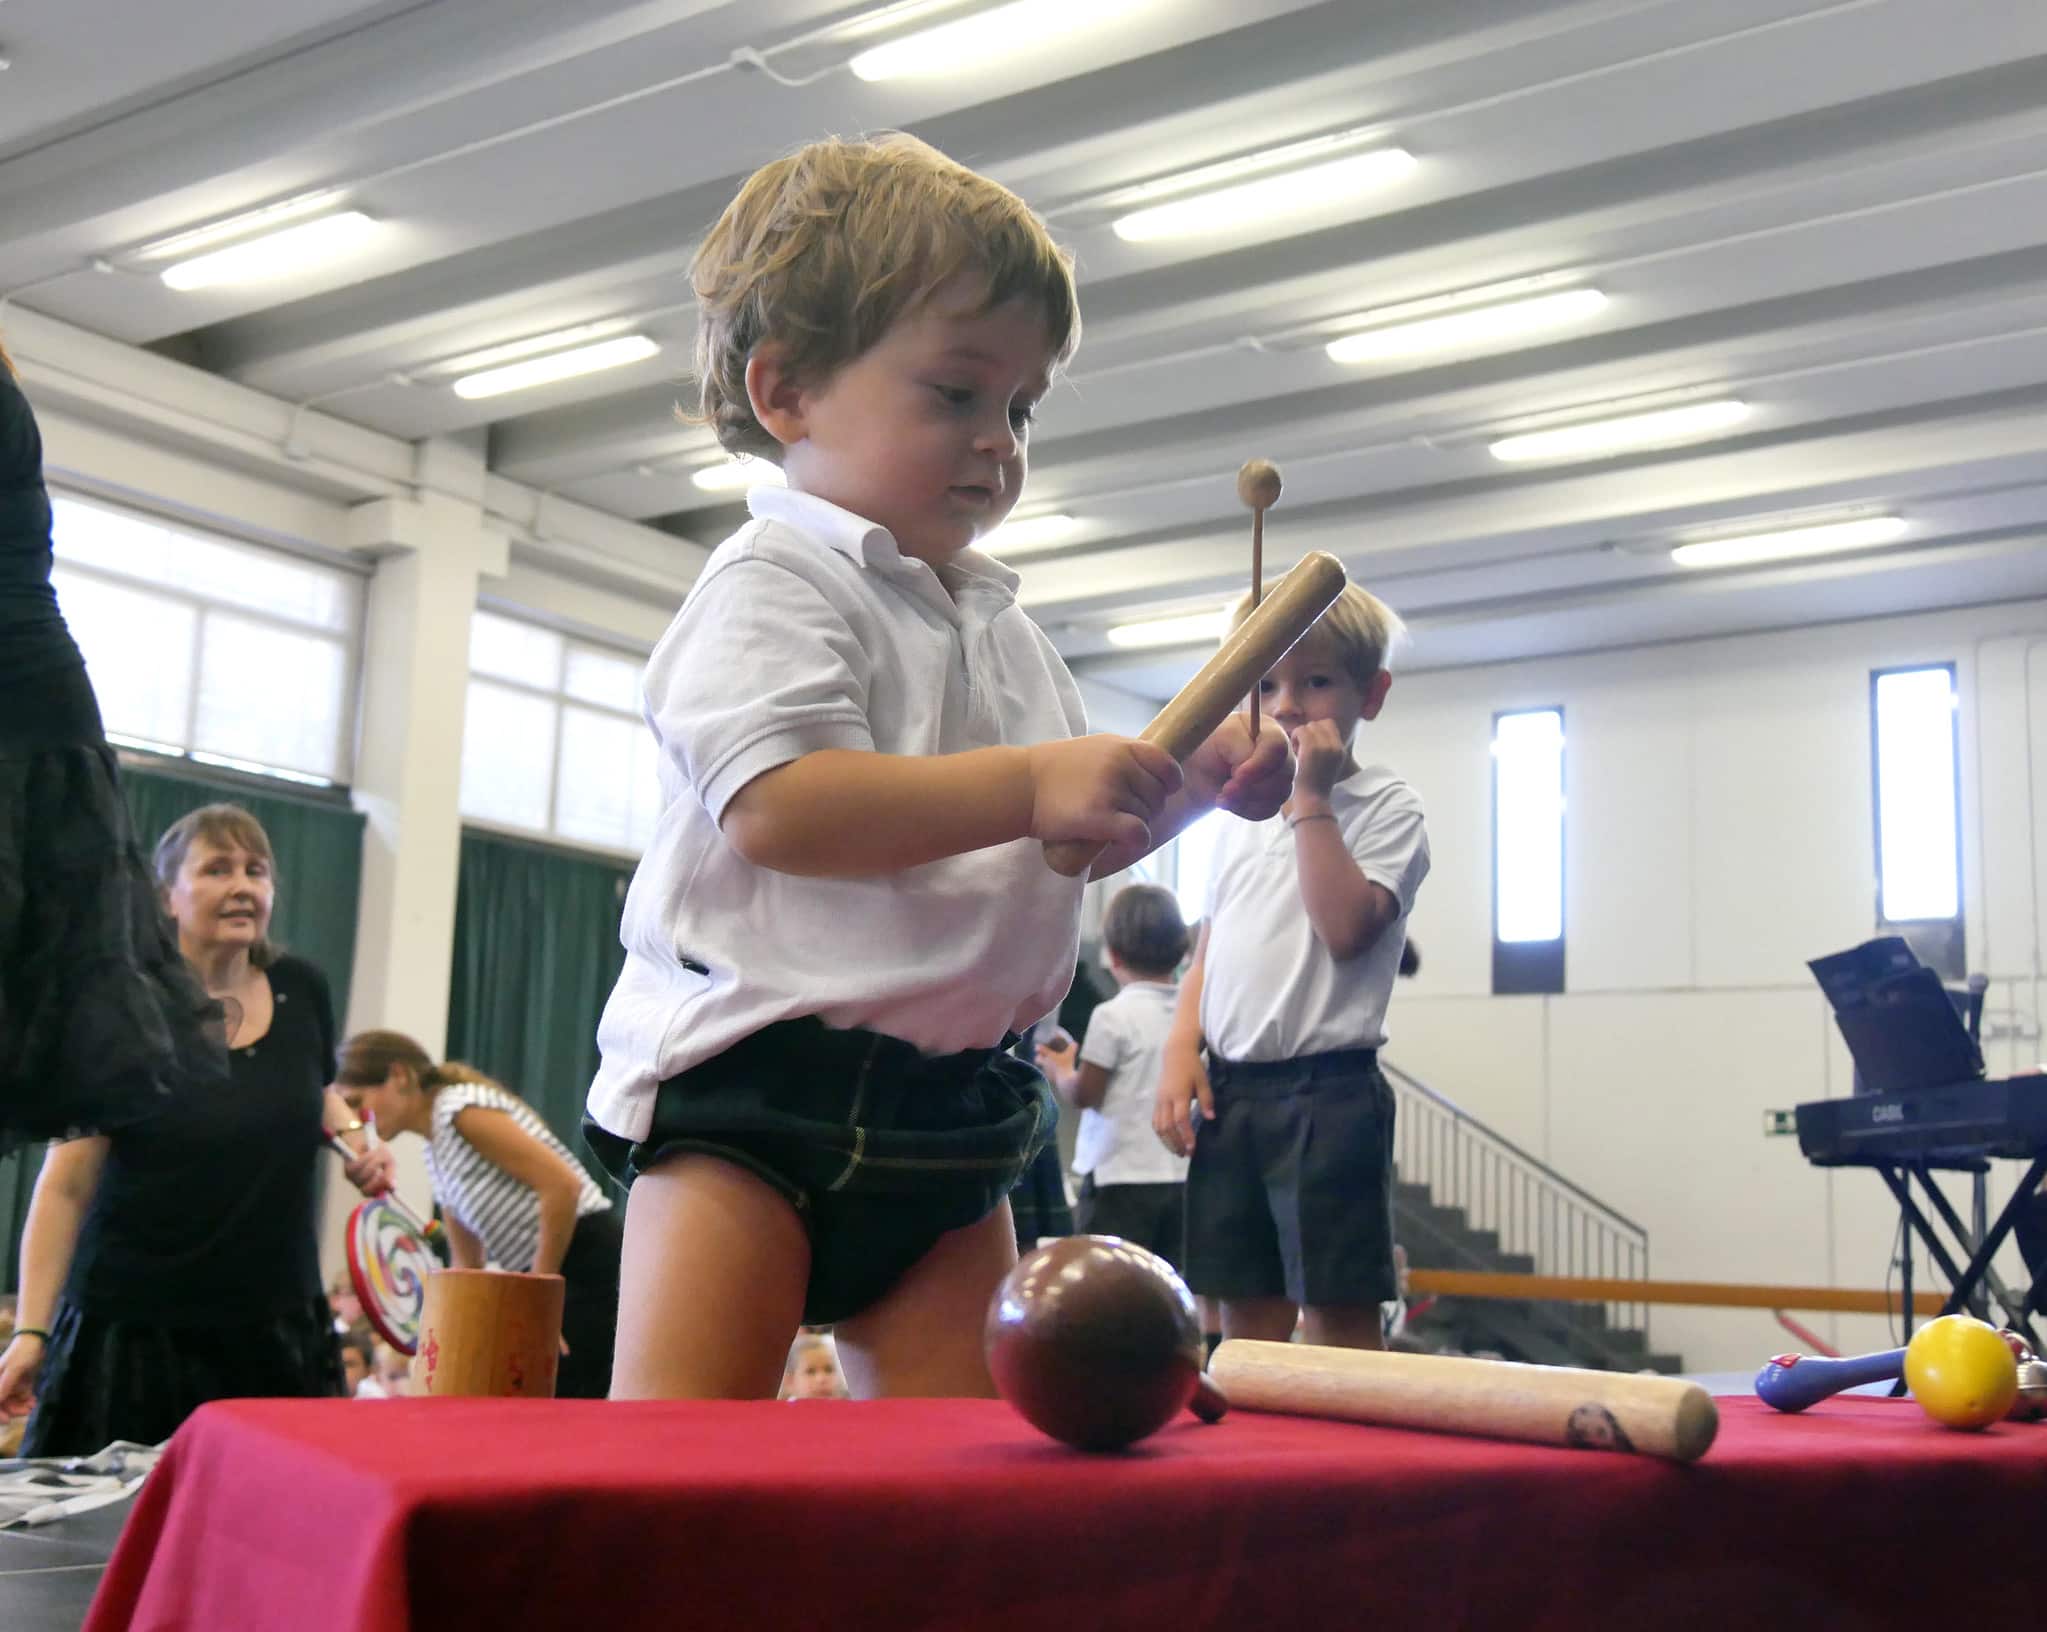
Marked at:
<point>1461,1283</point>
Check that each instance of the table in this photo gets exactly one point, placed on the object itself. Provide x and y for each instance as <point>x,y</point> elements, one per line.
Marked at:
<point>320,1516</point>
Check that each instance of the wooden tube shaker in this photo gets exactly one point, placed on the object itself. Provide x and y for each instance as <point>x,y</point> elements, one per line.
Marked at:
<point>489,1332</point>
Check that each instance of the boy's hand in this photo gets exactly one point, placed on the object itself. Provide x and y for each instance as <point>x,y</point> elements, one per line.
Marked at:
<point>1059,1054</point>
<point>1100,790</point>
<point>1249,779</point>
<point>1182,1083</point>
<point>1319,756</point>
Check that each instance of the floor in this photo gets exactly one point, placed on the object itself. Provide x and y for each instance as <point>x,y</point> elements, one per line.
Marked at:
<point>48,1575</point>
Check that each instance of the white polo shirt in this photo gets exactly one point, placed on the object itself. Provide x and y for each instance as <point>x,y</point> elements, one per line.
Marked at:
<point>1126,1037</point>
<point>808,629</point>
<point>1269,988</point>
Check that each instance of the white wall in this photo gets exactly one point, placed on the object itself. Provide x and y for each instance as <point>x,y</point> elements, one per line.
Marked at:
<point>1718,834</point>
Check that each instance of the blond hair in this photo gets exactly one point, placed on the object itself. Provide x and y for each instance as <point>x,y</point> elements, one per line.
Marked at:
<point>822,251</point>
<point>1363,629</point>
<point>804,1343</point>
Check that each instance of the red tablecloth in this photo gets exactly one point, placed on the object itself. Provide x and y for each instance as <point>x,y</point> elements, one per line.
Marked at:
<point>442,1515</point>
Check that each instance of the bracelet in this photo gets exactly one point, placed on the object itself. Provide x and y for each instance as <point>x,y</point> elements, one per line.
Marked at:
<point>30,1331</point>
<point>1293,822</point>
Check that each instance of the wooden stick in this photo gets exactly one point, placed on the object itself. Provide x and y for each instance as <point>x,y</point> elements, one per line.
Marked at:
<point>1201,705</point>
<point>1546,1405</point>
<point>1257,594</point>
<point>413,1222</point>
<point>1258,488</point>
<point>1464,1283</point>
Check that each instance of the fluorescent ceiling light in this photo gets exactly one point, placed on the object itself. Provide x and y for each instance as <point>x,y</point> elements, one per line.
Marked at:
<point>249,224</point>
<point>560,365</point>
<point>1473,326</point>
<point>559,340</point>
<point>1023,533</point>
<point>1624,434</point>
<point>273,254</point>
<point>1266,198</point>
<point>984,37</point>
<point>1183,630</point>
<point>736,475</point>
<point>1821,538</point>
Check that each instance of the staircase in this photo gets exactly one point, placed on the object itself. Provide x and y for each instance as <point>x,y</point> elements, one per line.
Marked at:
<point>1466,1198</point>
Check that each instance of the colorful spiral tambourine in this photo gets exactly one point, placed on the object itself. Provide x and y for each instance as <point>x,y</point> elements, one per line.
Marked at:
<point>389,1262</point>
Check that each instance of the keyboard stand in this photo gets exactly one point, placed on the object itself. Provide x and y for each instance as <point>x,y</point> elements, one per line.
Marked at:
<point>1971,1281</point>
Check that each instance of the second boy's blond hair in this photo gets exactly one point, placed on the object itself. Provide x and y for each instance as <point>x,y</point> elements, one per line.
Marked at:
<point>1363,629</point>
<point>823,250</point>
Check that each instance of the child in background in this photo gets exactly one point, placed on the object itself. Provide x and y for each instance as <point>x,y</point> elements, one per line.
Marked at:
<point>355,1364</point>
<point>392,1379</point>
<point>1290,1190</point>
<point>812,1369</point>
<point>864,746</point>
<point>1129,1186</point>
<point>343,1301</point>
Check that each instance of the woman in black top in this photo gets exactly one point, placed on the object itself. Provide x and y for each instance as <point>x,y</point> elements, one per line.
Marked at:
<point>186,1245</point>
<point>99,1018</point>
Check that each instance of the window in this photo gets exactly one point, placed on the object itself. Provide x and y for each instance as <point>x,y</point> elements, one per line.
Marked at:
<point>553,741</point>
<point>218,651</point>
<point>1916,770</point>
<point>1528,851</point>
<point>1193,860</point>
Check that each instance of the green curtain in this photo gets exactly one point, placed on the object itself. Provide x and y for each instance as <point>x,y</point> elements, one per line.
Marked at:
<point>536,955</point>
<point>318,842</point>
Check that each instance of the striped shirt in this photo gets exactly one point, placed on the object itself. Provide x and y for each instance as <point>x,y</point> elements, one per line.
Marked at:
<point>486,1200</point>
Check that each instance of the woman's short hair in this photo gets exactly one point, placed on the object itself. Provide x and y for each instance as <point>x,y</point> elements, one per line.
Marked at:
<point>231,828</point>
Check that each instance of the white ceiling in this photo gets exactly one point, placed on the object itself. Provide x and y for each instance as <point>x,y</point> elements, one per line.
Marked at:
<point>1835,212</point>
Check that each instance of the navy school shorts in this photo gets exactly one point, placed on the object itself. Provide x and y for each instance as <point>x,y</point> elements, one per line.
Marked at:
<point>880,1149</point>
<point>1290,1189</point>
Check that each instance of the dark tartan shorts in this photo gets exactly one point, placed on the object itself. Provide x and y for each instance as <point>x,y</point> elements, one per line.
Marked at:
<point>1290,1189</point>
<point>880,1149</point>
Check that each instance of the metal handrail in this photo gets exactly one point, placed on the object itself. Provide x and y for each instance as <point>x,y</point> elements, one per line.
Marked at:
<point>1416,1085</point>
<point>1533,1210</point>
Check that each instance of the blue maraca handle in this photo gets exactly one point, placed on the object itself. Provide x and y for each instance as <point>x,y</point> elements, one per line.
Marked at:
<point>1791,1382</point>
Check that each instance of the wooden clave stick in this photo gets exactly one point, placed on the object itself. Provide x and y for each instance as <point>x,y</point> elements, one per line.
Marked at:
<point>1257,643</point>
<point>1547,1405</point>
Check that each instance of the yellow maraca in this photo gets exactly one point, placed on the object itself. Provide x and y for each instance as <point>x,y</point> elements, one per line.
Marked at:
<point>1961,1372</point>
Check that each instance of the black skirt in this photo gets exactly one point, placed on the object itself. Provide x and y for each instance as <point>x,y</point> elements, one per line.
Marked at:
<point>100,1019</point>
<point>105,1378</point>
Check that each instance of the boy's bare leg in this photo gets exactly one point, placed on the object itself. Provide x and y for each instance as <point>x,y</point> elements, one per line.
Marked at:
<point>711,1284</point>
<point>1344,1325</point>
<point>924,1336</point>
<point>1263,1320</point>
